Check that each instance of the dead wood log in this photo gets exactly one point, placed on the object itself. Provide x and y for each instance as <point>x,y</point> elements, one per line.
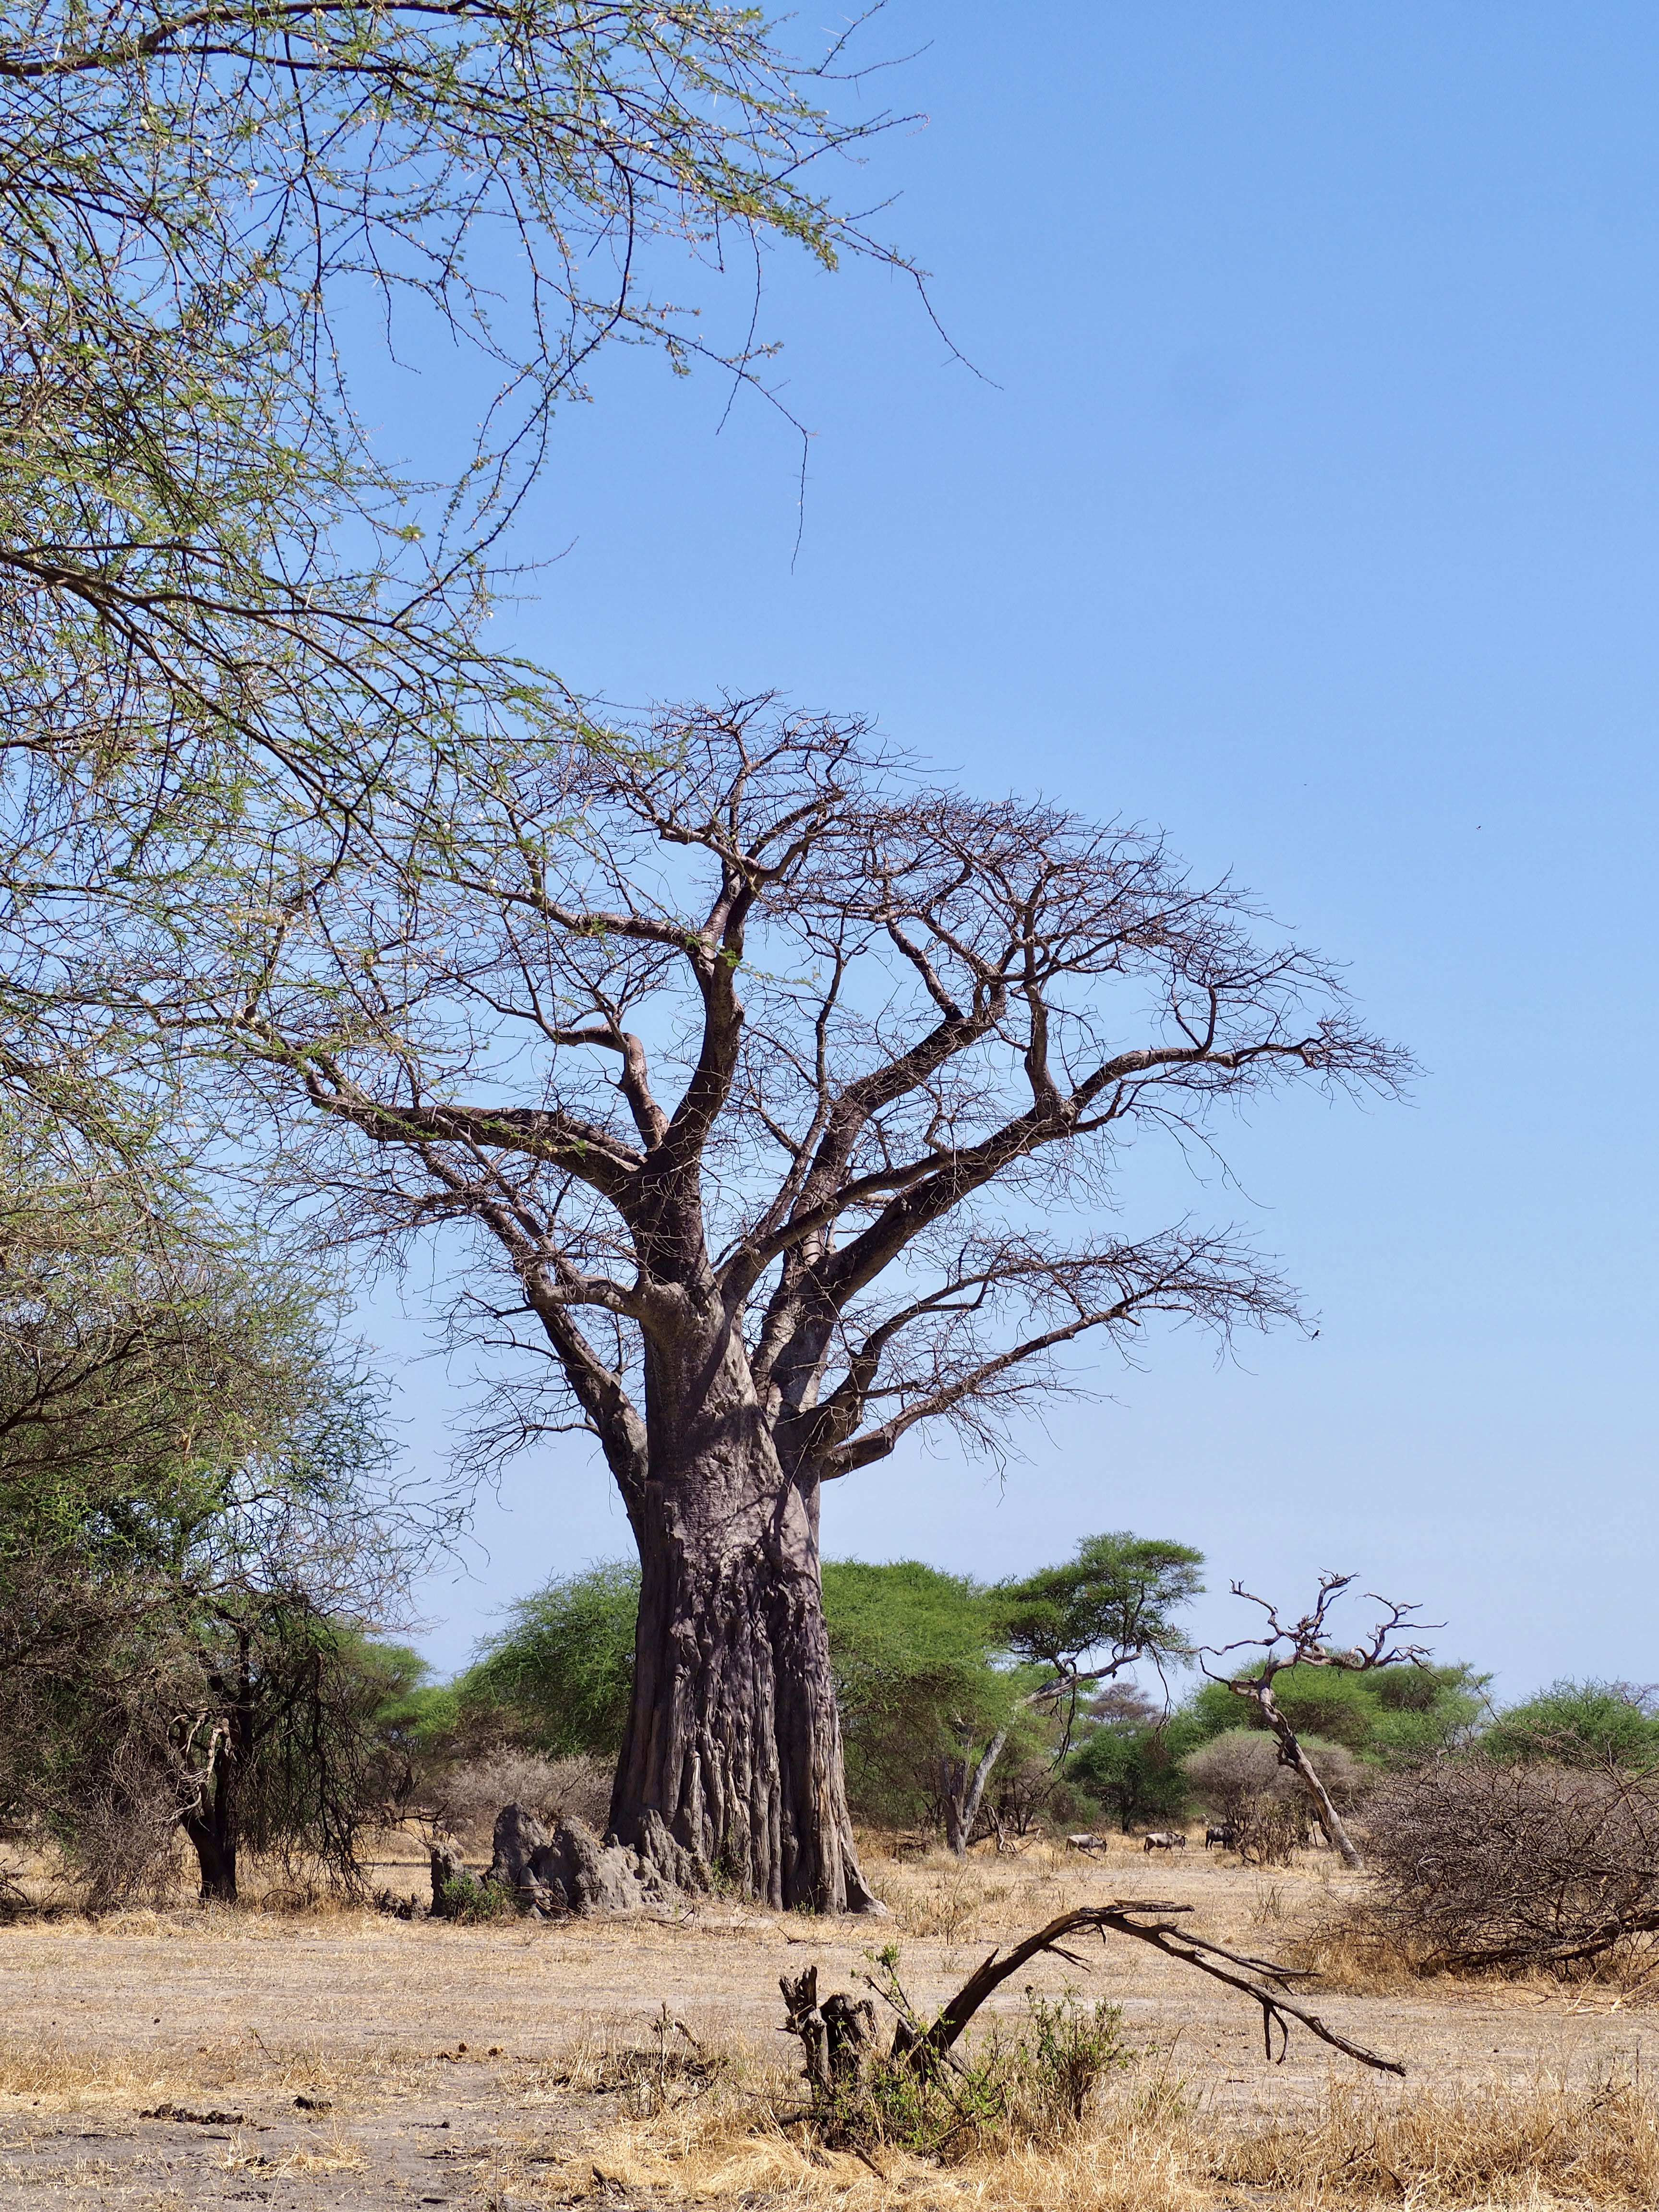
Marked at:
<point>838,2036</point>
<point>1143,1920</point>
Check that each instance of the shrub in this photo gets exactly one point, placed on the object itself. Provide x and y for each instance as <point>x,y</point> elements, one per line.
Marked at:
<point>553,1789</point>
<point>1030,2086</point>
<point>1482,1863</point>
<point>1238,1779</point>
<point>467,1902</point>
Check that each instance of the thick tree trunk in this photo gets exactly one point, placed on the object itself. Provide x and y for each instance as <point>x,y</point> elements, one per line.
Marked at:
<point>731,1769</point>
<point>212,1832</point>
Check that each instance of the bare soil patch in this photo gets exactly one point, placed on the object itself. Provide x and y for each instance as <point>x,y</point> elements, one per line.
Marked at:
<point>156,2060</point>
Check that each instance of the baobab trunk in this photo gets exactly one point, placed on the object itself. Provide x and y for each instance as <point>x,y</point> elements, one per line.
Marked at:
<point>730,1768</point>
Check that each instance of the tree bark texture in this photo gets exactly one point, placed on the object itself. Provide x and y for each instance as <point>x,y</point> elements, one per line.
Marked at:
<point>731,1769</point>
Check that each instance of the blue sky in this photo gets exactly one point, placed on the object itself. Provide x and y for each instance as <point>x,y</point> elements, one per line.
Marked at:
<point>1303,504</point>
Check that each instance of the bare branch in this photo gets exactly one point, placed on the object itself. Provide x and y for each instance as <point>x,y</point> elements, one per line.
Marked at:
<point>1146,1922</point>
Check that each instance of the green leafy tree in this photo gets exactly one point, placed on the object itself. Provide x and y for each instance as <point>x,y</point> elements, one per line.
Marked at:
<point>973,1673</point>
<point>227,622</point>
<point>1109,1606</point>
<point>194,1527</point>
<point>1392,1716</point>
<point>1135,1776</point>
<point>1589,1723</point>
<point>560,1676</point>
<point>915,1653</point>
<point>1063,1630</point>
<point>1127,1761</point>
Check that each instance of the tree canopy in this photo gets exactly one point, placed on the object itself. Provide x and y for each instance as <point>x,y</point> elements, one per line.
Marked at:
<point>195,1530</point>
<point>230,612</point>
<point>1591,1723</point>
<point>560,1673</point>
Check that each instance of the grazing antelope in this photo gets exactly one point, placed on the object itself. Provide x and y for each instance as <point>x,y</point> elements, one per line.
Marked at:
<point>1165,1839</point>
<point>1221,1834</point>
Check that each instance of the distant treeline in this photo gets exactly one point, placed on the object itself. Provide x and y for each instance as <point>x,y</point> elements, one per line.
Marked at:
<point>929,1671</point>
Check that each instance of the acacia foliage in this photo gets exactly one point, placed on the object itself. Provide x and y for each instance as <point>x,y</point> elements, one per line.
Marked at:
<point>922,1677</point>
<point>194,1532</point>
<point>228,613</point>
<point>1589,1723</point>
<point>560,1675</point>
<point>1127,1759</point>
<point>914,1650</point>
<point>1391,1715</point>
<point>929,1667</point>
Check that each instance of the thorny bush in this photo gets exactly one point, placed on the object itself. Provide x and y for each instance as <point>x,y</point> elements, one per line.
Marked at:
<point>1481,1865</point>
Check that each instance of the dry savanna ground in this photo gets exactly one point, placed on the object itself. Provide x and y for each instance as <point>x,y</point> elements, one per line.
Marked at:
<point>303,2059</point>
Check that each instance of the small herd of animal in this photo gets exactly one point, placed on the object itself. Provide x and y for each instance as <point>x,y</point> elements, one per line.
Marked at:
<point>1220,1835</point>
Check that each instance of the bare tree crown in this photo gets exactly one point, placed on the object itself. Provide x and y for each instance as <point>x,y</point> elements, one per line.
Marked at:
<point>1306,1641</point>
<point>756,1023</point>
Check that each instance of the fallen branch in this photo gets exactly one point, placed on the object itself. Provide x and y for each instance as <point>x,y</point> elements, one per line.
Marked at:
<point>1128,1916</point>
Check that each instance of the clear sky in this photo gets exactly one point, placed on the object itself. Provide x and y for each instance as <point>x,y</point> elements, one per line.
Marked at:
<point>1305,505</point>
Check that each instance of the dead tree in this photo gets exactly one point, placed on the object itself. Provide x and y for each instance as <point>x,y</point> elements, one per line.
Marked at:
<point>922,2044</point>
<point>785,1089</point>
<point>1305,1642</point>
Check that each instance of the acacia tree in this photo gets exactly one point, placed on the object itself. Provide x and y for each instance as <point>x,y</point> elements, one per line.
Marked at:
<point>1077,1625</point>
<point>787,1091</point>
<point>1306,1643</point>
<point>225,602</point>
<point>195,1522</point>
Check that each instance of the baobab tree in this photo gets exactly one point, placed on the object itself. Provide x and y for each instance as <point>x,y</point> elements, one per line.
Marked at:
<point>782,1092</point>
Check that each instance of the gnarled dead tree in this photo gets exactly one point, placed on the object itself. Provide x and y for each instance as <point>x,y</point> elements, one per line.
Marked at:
<point>788,1092</point>
<point>1306,1643</point>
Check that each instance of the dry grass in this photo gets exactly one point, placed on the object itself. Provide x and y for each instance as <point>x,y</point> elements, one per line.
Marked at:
<point>66,2077</point>
<point>540,2041</point>
<point>1148,2149</point>
<point>1350,1949</point>
<point>1546,2141</point>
